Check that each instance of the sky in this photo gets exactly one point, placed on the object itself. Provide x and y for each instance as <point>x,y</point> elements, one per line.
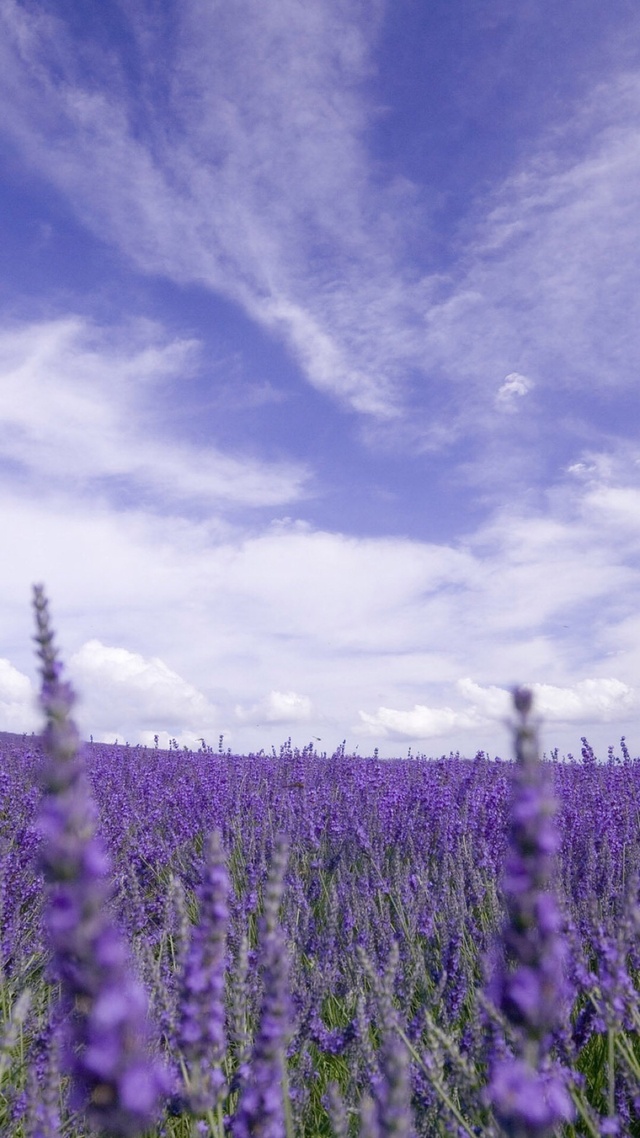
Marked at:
<point>319,342</point>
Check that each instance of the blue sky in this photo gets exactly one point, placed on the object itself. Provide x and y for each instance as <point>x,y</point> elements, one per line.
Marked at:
<point>319,341</point>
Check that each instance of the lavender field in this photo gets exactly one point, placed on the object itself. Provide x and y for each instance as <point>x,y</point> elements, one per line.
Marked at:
<point>296,944</point>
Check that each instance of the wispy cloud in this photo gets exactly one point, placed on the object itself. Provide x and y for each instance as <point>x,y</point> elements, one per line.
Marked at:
<point>240,162</point>
<point>550,288</point>
<point>255,181</point>
<point>77,412</point>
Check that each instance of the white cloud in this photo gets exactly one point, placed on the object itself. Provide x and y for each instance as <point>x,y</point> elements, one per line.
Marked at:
<point>17,700</point>
<point>14,687</point>
<point>255,182</point>
<point>278,707</point>
<point>208,620</point>
<point>419,723</point>
<point>613,463</point>
<point>77,410</point>
<point>487,702</point>
<point>592,700</point>
<point>123,690</point>
<point>513,388</point>
<point>617,507</point>
<point>549,280</point>
<point>587,702</point>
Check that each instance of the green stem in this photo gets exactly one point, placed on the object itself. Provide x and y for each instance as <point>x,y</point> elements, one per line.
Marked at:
<point>611,1045</point>
<point>627,1055</point>
<point>582,1111</point>
<point>436,1084</point>
<point>288,1117</point>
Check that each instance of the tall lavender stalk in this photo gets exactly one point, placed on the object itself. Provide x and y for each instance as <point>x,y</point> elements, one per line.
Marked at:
<point>263,1104</point>
<point>528,1095</point>
<point>114,1081</point>
<point>386,1112</point>
<point>202,1012</point>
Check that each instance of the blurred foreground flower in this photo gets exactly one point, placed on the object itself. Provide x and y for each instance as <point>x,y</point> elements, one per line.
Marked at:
<point>528,1095</point>
<point>114,1081</point>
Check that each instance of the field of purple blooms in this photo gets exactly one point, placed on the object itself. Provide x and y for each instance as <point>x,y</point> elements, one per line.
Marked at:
<point>299,945</point>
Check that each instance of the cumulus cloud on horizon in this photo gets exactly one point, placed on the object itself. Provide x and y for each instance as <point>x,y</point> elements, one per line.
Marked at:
<point>18,707</point>
<point>127,690</point>
<point>278,707</point>
<point>321,621</point>
<point>589,701</point>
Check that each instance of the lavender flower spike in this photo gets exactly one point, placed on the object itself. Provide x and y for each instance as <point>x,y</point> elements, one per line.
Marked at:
<point>529,1097</point>
<point>202,1013</point>
<point>261,1107</point>
<point>113,1080</point>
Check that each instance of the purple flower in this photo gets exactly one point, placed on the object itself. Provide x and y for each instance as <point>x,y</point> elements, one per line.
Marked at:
<point>393,1092</point>
<point>369,1123</point>
<point>43,1082</point>
<point>387,1109</point>
<point>337,1111</point>
<point>114,1081</point>
<point>530,988</point>
<point>201,1033</point>
<point>528,1102</point>
<point>260,1112</point>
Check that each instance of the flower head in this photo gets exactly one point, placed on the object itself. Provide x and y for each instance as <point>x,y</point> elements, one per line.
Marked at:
<point>114,1081</point>
<point>528,1102</point>
<point>261,1104</point>
<point>202,1013</point>
<point>529,987</point>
